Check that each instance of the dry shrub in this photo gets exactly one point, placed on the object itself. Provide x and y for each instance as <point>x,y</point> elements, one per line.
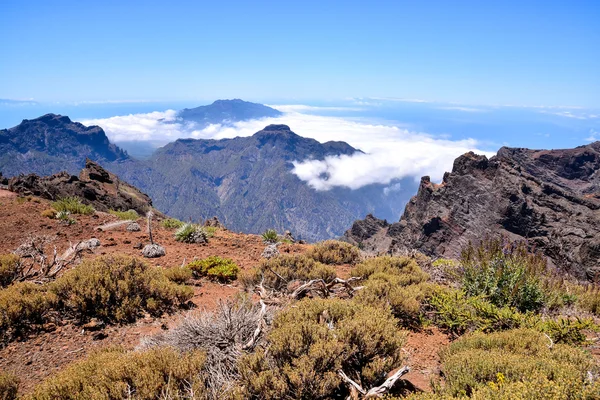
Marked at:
<point>178,275</point>
<point>315,338</point>
<point>588,297</point>
<point>221,334</point>
<point>405,268</point>
<point>49,213</point>
<point>172,223</point>
<point>117,288</point>
<point>517,355</point>
<point>23,307</point>
<point>215,267</point>
<point>73,205</point>
<point>278,271</point>
<point>129,215</point>
<point>9,386</point>
<point>334,252</point>
<point>10,267</point>
<point>117,374</point>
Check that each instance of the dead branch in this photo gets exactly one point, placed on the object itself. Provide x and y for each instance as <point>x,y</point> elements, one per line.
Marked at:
<point>263,310</point>
<point>318,285</point>
<point>380,391</point>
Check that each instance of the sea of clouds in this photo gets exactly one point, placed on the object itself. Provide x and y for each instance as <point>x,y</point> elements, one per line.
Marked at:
<point>391,152</point>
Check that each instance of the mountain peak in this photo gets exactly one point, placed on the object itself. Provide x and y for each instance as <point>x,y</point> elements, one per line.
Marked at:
<point>277,128</point>
<point>227,110</point>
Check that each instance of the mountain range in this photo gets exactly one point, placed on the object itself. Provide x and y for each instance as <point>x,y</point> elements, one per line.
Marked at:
<point>247,182</point>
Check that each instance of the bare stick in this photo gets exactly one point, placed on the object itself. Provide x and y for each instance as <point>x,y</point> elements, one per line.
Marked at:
<point>380,391</point>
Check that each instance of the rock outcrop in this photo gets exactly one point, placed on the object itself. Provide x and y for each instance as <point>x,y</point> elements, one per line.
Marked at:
<point>551,198</point>
<point>94,185</point>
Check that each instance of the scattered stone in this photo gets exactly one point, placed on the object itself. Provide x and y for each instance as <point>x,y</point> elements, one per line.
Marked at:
<point>213,222</point>
<point>287,236</point>
<point>153,251</point>
<point>138,246</point>
<point>133,227</point>
<point>270,251</point>
<point>94,325</point>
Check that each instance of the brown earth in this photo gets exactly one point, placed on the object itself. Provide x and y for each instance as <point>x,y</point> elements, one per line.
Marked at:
<point>43,354</point>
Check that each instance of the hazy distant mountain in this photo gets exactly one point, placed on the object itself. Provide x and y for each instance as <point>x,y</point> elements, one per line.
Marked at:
<point>54,143</point>
<point>227,110</point>
<point>247,182</point>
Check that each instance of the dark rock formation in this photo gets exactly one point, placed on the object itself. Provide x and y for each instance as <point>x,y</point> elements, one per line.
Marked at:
<point>226,111</point>
<point>551,198</point>
<point>53,143</point>
<point>95,186</point>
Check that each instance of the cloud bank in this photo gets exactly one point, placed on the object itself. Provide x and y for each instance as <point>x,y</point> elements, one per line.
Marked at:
<point>391,152</point>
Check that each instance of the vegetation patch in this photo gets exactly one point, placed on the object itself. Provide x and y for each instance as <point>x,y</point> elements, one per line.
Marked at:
<point>23,307</point>
<point>9,386</point>
<point>215,267</point>
<point>115,373</point>
<point>10,267</point>
<point>125,215</point>
<point>270,236</point>
<point>73,205</point>
<point>334,252</point>
<point>117,288</point>
<point>180,275</point>
<point>172,223</point>
<point>191,233</point>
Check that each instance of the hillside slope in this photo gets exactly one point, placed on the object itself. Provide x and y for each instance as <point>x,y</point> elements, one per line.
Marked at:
<point>551,198</point>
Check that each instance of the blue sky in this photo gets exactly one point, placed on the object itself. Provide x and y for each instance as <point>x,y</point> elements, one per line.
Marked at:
<point>468,52</point>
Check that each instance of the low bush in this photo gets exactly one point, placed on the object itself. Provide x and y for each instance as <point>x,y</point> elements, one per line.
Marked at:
<point>115,373</point>
<point>310,342</point>
<point>125,215</point>
<point>334,252</point>
<point>506,273</point>
<point>191,233</point>
<point>215,267</point>
<point>270,236</point>
<point>49,213</point>
<point>587,297</point>
<point>405,269</point>
<point>73,205</point>
<point>479,359</point>
<point>10,267</point>
<point>65,218</point>
<point>171,223</point>
<point>278,271</point>
<point>117,288</point>
<point>23,307</point>
<point>9,386</point>
<point>210,231</point>
<point>179,275</point>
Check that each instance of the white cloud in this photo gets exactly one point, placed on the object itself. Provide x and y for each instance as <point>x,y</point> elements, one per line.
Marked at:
<point>286,108</point>
<point>594,136</point>
<point>465,109</point>
<point>391,152</point>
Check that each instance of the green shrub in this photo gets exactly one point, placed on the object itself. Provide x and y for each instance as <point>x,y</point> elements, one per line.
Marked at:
<point>191,233</point>
<point>48,213</point>
<point>73,205</point>
<point>404,268</point>
<point>10,265</point>
<point>290,267</point>
<point>65,217</point>
<point>9,386</point>
<point>117,288</point>
<point>334,252</point>
<point>210,231</point>
<point>517,355</point>
<point>270,236</point>
<point>117,374</point>
<point>215,267</point>
<point>23,306</point>
<point>171,223</point>
<point>125,215</point>
<point>505,273</point>
<point>310,342</point>
<point>179,275</point>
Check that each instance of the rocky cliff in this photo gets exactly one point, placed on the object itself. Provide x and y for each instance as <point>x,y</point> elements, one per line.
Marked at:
<point>94,185</point>
<point>551,198</point>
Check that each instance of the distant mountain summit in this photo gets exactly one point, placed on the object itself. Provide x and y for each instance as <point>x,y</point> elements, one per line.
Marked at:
<point>248,184</point>
<point>227,111</point>
<point>551,198</point>
<point>53,143</point>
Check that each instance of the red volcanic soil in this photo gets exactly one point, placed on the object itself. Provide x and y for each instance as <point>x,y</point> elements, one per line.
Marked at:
<point>43,354</point>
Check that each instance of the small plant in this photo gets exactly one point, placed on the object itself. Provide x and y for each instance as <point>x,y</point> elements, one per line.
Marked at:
<point>10,268</point>
<point>334,252</point>
<point>65,218</point>
<point>117,288</point>
<point>191,233</point>
<point>507,274</point>
<point>270,236</point>
<point>125,215</point>
<point>210,230</point>
<point>9,386</point>
<point>152,250</point>
<point>172,223</point>
<point>215,267</point>
<point>178,275</point>
<point>23,306</point>
<point>49,213</point>
<point>114,373</point>
<point>23,199</point>
<point>73,205</point>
